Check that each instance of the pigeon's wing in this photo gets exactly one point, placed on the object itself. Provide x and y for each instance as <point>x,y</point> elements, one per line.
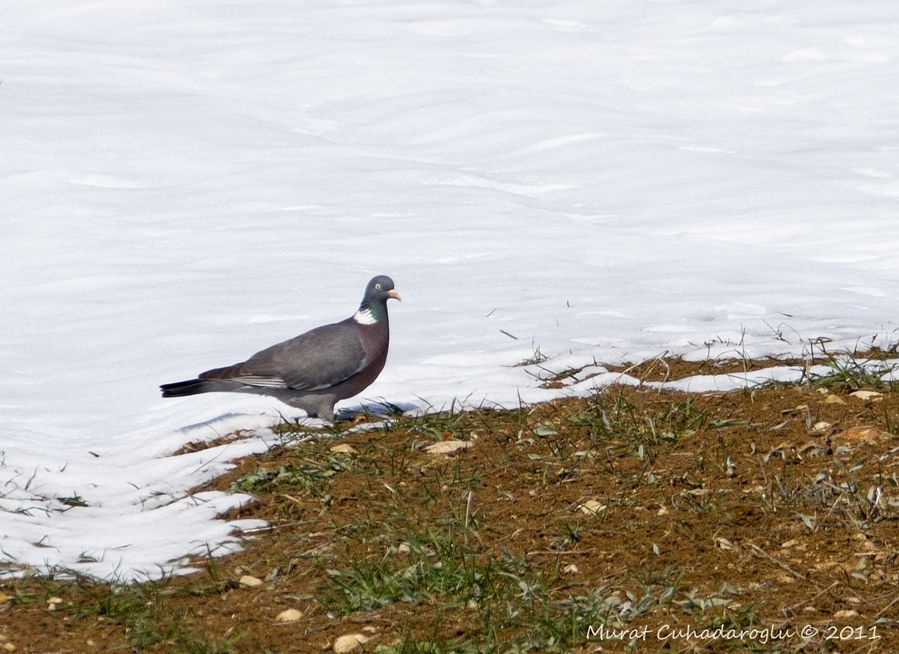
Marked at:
<point>316,360</point>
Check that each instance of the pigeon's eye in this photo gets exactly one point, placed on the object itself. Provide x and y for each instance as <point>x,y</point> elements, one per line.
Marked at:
<point>377,287</point>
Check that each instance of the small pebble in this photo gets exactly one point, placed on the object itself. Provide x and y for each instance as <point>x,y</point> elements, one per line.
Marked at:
<point>289,615</point>
<point>592,507</point>
<point>349,642</point>
<point>873,396</point>
<point>821,427</point>
<point>865,433</point>
<point>250,582</point>
<point>448,447</point>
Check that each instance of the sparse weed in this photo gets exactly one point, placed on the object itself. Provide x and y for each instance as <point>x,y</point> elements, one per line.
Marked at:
<point>847,372</point>
<point>307,474</point>
<point>536,358</point>
<point>612,417</point>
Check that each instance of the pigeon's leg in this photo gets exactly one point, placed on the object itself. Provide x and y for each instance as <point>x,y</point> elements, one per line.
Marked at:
<point>315,406</point>
<point>326,414</point>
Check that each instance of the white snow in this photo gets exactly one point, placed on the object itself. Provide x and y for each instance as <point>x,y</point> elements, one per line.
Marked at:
<point>184,183</point>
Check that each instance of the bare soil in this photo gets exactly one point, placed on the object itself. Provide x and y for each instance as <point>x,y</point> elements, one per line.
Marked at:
<point>630,520</point>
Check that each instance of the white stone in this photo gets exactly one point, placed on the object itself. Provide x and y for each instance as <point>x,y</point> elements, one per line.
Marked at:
<point>448,447</point>
<point>349,642</point>
<point>592,507</point>
<point>821,427</point>
<point>867,395</point>
<point>289,615</point>
<point>249,582</point>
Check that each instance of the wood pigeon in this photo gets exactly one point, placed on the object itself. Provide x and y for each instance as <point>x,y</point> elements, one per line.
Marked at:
<point>315,370</point>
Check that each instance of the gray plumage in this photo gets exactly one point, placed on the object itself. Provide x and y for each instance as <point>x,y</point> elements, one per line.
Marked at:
<point>315,370</point>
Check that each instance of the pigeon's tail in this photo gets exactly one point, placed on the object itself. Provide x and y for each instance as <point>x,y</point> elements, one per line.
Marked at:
<point>189,387</point>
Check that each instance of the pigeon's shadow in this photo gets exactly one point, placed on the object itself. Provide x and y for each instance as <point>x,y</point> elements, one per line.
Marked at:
<point>376,409</point>
<point>212,422</point>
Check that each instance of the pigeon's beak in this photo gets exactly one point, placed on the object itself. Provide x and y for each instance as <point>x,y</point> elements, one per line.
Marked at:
<point>394,295</point>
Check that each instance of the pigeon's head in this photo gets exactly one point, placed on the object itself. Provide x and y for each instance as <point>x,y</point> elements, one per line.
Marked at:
<point>380,289</point>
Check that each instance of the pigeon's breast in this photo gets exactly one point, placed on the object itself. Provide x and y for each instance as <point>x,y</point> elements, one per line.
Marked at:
<point>375,342</point>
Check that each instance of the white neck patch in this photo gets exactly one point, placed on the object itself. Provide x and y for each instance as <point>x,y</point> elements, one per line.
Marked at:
<point>365,317</point>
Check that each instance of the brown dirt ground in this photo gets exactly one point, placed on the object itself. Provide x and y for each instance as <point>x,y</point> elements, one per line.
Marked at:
<point>669,368</point>
<point>741,508</point>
